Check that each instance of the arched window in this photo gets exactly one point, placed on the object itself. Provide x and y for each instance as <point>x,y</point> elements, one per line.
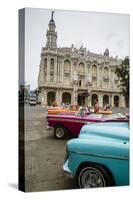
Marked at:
<point>116,101</point>
<point>94,76</point>
<point>88,68</point>
<point>105,100</point>
<point>66,98</point>
<point>94,97</point>
<point>94,70</point>
<point>50,98</point>
<point>52,66</point>
<point>106,72</point>
<point>45,65</point>
<point>67,66</point>
<point>80,83</point>
<point>105,77</point>
<point>81,68</point>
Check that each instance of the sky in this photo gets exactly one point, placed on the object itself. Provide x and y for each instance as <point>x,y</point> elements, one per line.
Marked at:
<point>95,31</point>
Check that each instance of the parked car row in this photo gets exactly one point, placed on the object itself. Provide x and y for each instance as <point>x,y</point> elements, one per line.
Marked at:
<point>98,154</point>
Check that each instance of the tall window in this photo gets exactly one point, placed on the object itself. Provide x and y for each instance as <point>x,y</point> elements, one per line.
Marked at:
<point>106,72</point>
<point>80,83</point>
<point>52,70</point>
<point>106,77</point>
<point>45,65</point>
<point>81,68</point>
<point>105,100</point>
<point>94,70</point>
<point>67,66</point>
<point>94,76</point>
<point>52,66</point>
<point>116,101</point>
<point>67,71</point>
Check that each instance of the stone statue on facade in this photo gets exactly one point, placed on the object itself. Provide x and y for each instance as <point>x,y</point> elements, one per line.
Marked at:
<point>75,76</point>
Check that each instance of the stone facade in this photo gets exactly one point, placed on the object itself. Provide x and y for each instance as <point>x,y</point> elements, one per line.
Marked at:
<point>77,76</point>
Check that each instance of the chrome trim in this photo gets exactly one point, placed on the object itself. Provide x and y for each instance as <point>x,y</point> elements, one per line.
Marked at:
<point>67,173</point>
<point>49,127</point>
<point>98,155</point>
<point>68,120</point>
<point>66,169</point>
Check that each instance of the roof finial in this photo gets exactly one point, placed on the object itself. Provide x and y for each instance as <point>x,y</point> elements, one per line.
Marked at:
<point>52,15</point>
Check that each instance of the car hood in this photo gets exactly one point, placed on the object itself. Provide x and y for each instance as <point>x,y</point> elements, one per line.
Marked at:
<point>108,130</point>
<point>110,140</point>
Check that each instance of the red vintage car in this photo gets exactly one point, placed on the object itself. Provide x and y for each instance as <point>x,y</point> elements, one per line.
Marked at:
<point>70,124</point>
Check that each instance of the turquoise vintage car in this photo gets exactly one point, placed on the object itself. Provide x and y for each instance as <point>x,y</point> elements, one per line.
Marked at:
<point>100,156</point>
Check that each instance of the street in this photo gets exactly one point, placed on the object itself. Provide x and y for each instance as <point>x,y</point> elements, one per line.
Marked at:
<point>44,155</point>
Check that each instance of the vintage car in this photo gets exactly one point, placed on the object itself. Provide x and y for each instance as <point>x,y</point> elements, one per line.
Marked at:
<point>61,109</point>
<point>100,156</point>
<point>70,124</point>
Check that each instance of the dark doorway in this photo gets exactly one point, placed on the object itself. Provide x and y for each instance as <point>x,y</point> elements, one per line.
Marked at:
<point>105,100</point>
<point>94,97</point>
<point>50,98</point>
<point>116,101</point>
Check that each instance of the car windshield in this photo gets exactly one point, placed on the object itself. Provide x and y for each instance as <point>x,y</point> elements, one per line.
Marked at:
<point>82,111</point>
<point>95,116</point>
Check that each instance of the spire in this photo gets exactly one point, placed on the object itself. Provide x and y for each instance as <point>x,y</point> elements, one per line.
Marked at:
<point>52,14</point>
<point>51,34</point>
<point>106,52</point>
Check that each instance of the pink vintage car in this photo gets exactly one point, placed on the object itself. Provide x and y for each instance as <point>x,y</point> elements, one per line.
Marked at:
<point>70,124</point>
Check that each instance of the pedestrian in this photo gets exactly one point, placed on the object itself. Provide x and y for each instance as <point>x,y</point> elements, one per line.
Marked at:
<point>96,106</point>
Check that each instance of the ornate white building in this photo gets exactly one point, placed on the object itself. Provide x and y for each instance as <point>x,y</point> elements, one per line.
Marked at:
<point>77,76</point>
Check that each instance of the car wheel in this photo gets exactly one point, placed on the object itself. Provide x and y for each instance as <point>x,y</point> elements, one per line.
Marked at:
<point>92,176</point>
<point>60,132</point>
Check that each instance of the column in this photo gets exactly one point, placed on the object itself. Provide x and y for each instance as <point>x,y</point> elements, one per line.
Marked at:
<point>62,72</point>
<point>89,100</point>
<point>112,100</point>
<point>44,97</point>
<point>120,100</point>
<point>41,72</point>
<point>72,72</point>
<point>55,69</point>
<point>60,97</point>
<point>75,95</point>
<point>109,85</point>
<point>89,97</point>
<point>48,70</point>
<point>123,101</point>
<point>100,98</point>
<point>86,73</point>
<point>98,74</point>
<point>57,96</point>
<point>57,80</point>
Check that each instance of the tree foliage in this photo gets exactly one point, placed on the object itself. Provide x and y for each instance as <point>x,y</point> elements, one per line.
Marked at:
<point>123,74</point>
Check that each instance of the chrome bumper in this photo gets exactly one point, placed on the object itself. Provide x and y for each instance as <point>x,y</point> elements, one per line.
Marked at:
<point>66,170</point>
<point>49,128</point>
